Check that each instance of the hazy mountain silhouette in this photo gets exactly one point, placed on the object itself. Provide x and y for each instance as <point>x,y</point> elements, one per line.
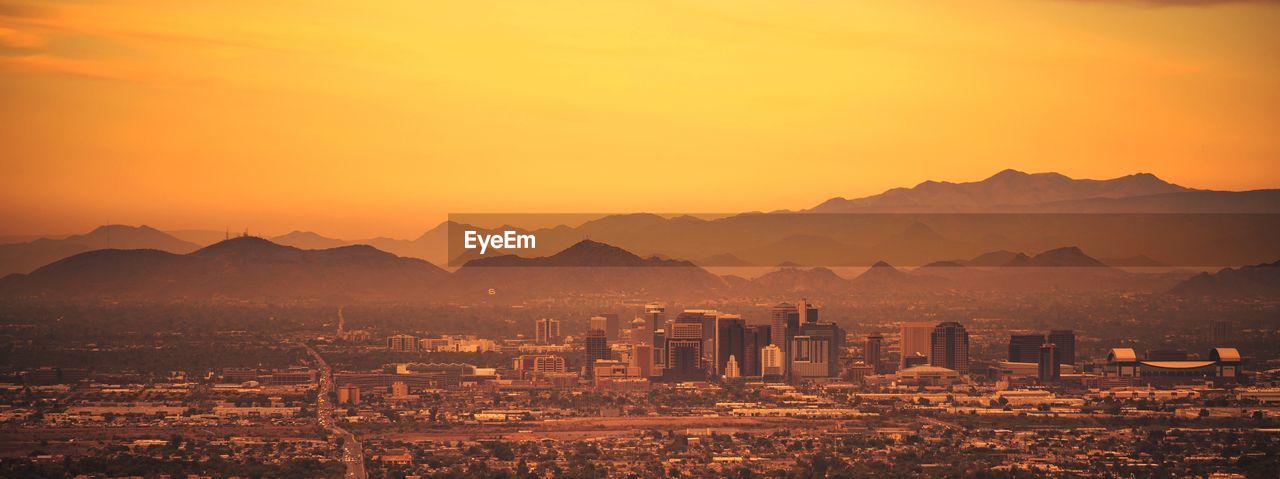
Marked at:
<point>588,267</point>
<point>1069,256</point>
<point>240,268</point>
<point>999,258</point>
<point>784,280</point>
<point>585,253</point>
<point>883,277</point>
<point>25,257</point>
<point>1260,280</point>
<point>308,240</point>
<point>1195,201</point>
<point>924,233</point>
<point>1008,188</point>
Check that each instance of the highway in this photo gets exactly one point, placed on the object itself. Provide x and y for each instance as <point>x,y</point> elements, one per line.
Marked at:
<point>352,452</point>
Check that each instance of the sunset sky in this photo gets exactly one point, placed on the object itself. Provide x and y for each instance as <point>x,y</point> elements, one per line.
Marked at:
<point>356,119</point>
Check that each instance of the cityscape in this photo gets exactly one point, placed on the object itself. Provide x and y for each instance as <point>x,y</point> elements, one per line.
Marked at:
<point>619,239</point>
<point>780,391</point>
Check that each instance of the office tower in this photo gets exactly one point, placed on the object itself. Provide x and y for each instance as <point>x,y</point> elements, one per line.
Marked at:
<point>706,318</point>
<point>1065,341</point>
<point>684,349</point>
<point>547,331</point>
<point>871,353</point>
<point>640,332</point>
<point>597,348</point>
<point>1050,367</point>
<point>730,340</point>
<point>807,311</point>
<point>1025,348</point>
<point>755,338</point>
<point>642,359</point>
<point>815,351</point>
<point>607,322</point>
<point>402,343</point>
<point>657,315</point>
<point>1219,331</point>
<point>916,339</point>
<point>660,350</point>
<point>771,361</point>
<point>731,369</point>
<point>950,347</point>
<point>785,321</point>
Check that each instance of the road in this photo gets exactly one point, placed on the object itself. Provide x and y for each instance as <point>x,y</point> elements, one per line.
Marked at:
<point>352,452</point>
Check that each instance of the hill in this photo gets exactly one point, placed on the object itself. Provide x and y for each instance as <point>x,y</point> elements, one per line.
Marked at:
<point>240,268</point>
<point>27,256</point>
<point>587,267</point>
<point>1260,280</point>
<point>1008,188</point>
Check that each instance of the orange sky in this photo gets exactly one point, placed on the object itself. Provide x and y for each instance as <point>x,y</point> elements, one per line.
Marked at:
<point>356,119</point>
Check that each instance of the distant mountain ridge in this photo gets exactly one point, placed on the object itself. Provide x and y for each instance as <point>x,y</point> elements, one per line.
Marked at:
<point>1006,189</point>
<point>238,268</point>
<point>250,268</point>
<point>921,230</point>
<point>25,257</point>
<point>1259,280</point>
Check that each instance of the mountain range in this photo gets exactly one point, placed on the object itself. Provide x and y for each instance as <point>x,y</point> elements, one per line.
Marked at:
<point>1259,280</point>
<point>1011,191</point>
<point>238,268</point>
<point>1242,228</point>
<point>26,256</point>
<point>256,269</point>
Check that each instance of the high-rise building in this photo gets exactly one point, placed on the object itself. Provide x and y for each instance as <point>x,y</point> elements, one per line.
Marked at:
<point>642,359</point>
<point>640,332</point>
<point>771,361</point>
<point>1219,331</point>
<point>547,331</point>
<point>755,338</point>
<point>916,341</point>
<point>950,347</point>
<point>808,312</point>
<point>731,369</point>
<point>597,348</point>
<point>1050,368</point>
<point>815,351</point>
<point>660,350</point>
<point>730,341</point>
<point>656,314</point>
<point>608,322</point>
<point>785,321</point>
<point>1025,348</point>
<point>402,343</point>
<point>684,348</point>
<point>871,353</point>
<point>1065,342</point>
